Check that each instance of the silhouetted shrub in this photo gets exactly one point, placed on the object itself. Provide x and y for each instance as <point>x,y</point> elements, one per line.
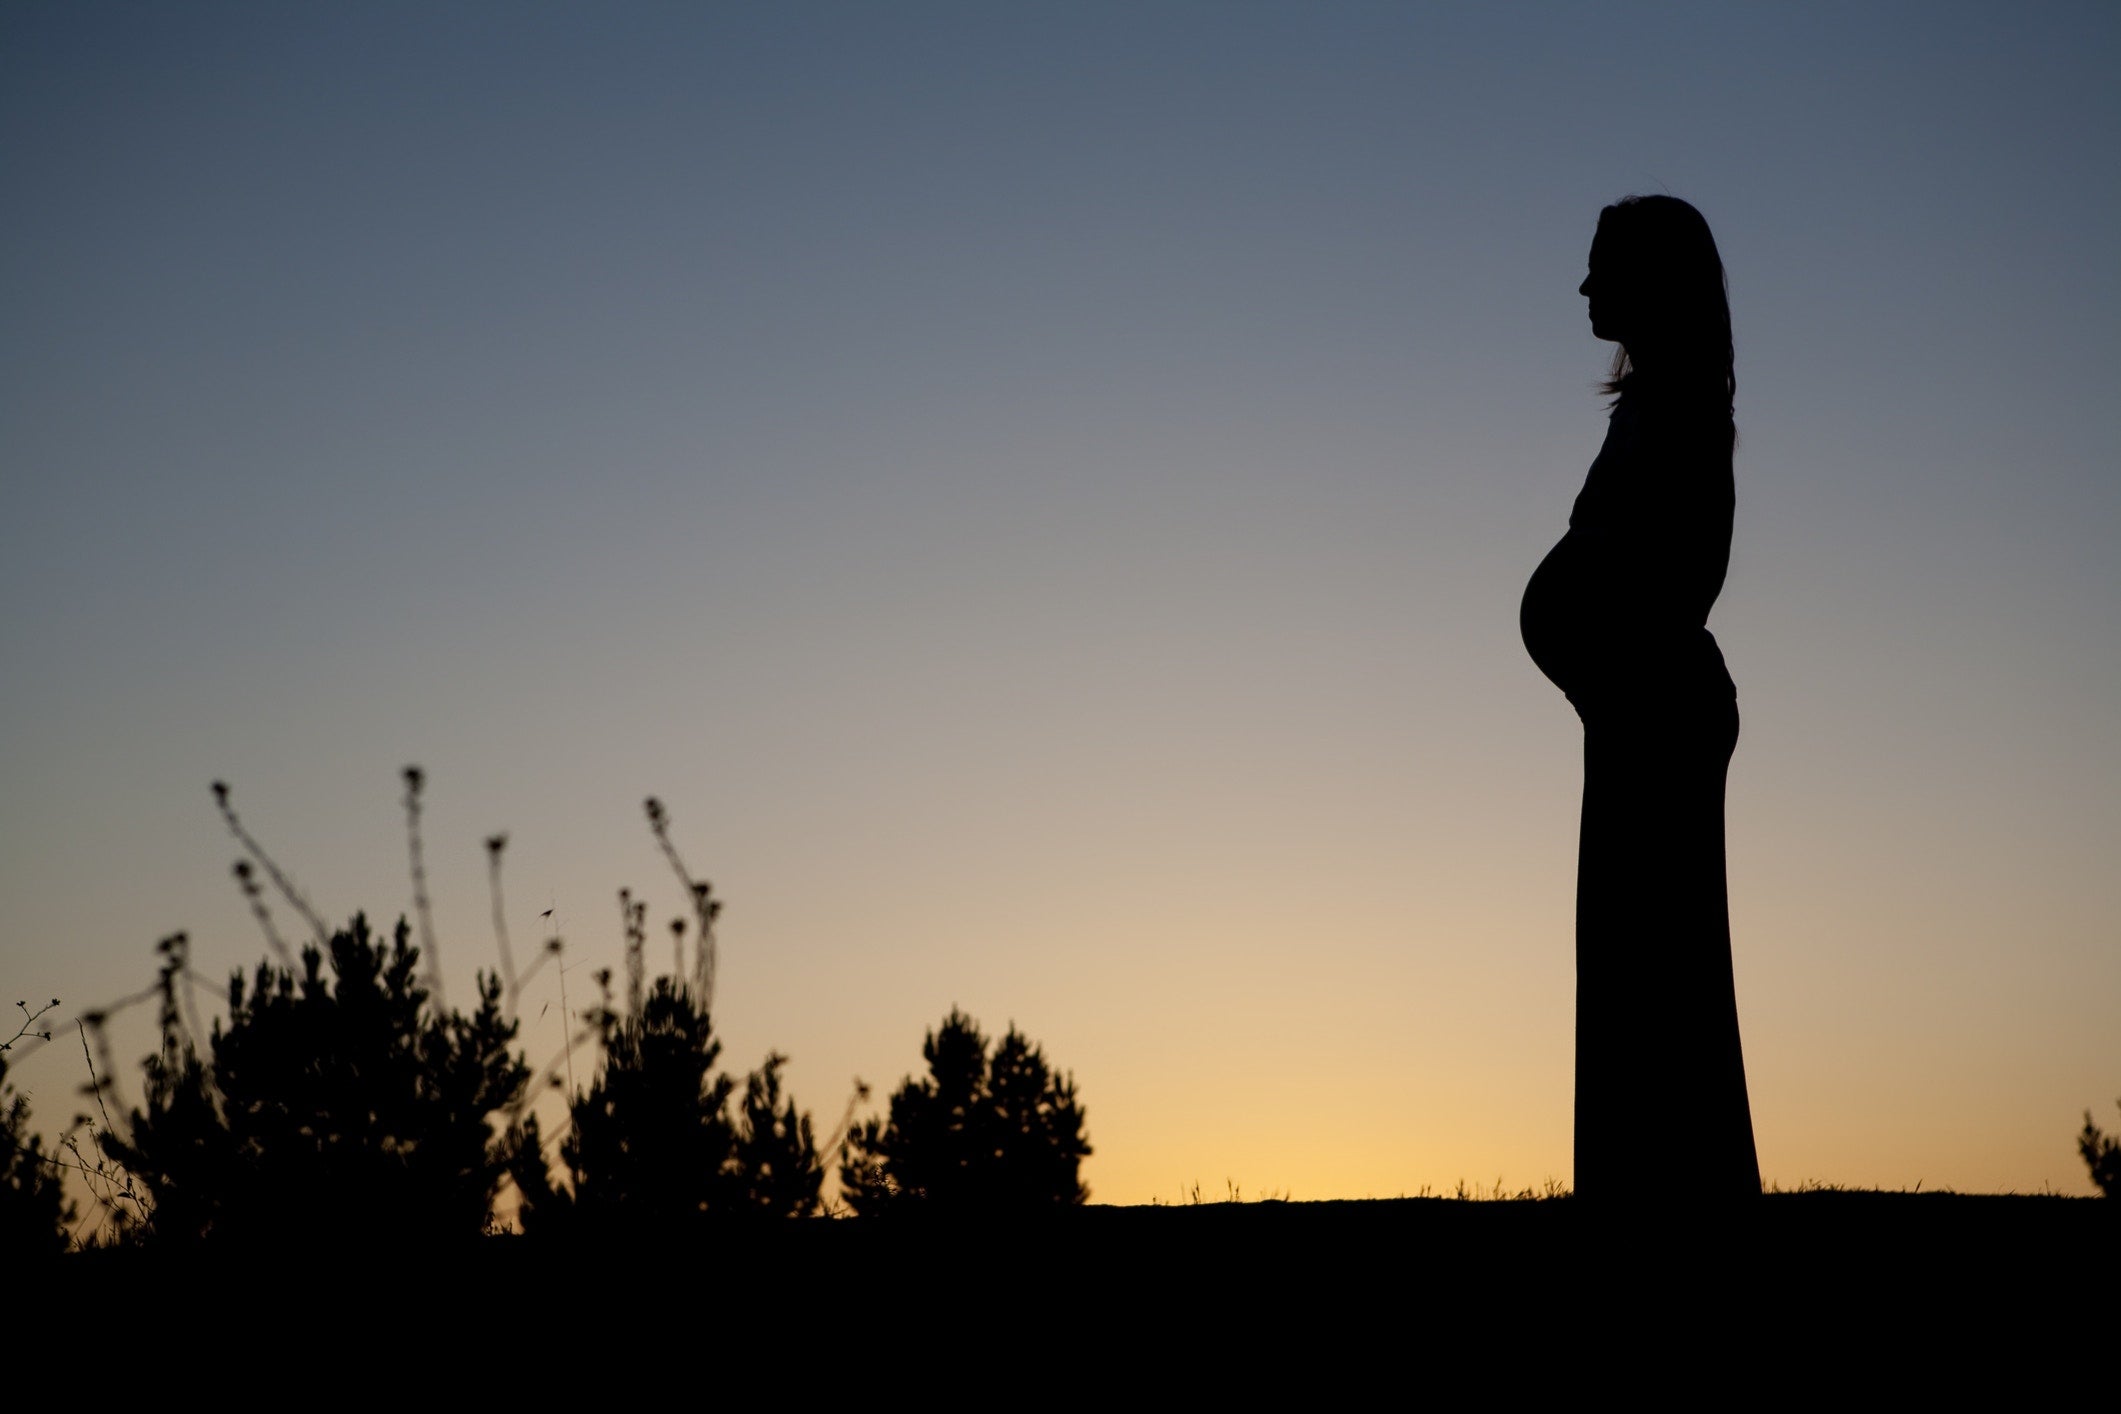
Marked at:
<point>2102,1155</point>
<point>339,1108</point>
<point>34,1211</point>
<point>980,1133</point>
<point>653,1147</point>
<point>778,1171</point>
<point>651,1137</point>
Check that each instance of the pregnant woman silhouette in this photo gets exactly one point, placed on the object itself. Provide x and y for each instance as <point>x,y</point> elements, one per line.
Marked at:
<point>1616,615</point>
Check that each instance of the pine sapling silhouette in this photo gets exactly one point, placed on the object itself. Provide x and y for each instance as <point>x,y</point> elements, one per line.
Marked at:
<point>34,1210</point>
<point>2102,1155</point>
<point>778,1172</point>
<point>333,1108</point>
<point>653,1147</point>
<point>981,1133</point>
<point>650,1142</point>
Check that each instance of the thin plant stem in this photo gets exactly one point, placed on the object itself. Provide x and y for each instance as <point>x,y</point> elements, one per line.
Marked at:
<point>272,870</point>
<point>246,879</point>
<point>636,965</point>
<point>566,1019</point>
<point>29,1019</point>
<point>705,907</point>
<point>494,845</point>
<point>415,780</point>
<point>858,1098</point>
<point>95,1084</point>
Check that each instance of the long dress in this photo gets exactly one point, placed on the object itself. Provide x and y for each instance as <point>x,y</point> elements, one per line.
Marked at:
<point>1616,615</point>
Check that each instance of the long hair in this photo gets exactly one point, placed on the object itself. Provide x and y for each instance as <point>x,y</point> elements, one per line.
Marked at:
<point>1658,249</point>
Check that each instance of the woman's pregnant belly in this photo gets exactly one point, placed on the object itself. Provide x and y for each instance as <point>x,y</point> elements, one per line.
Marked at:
<point>1550,617</point>
<point>1606,639</point>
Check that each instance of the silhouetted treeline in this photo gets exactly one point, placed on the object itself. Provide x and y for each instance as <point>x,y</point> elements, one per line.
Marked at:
<point>341,1101</point>
<point>337,1104</point>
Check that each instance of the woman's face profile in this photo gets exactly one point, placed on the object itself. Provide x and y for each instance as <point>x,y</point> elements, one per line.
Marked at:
<point>1599,287</point>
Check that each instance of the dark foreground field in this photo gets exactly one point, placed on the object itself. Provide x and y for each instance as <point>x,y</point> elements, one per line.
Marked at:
<point>1821,1250</point>
<point>1827,1298</point>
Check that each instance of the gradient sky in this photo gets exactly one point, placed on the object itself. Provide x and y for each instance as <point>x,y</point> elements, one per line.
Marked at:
<point>1042,492</point>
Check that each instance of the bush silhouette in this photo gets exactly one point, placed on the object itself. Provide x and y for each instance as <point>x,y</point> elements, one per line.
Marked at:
<point>2102,1155</point>
<point>778,1170</point>
<point>34,1211</point>
<point>654,1148</point>
<point>329,1108</point>
<point>983,1132</point>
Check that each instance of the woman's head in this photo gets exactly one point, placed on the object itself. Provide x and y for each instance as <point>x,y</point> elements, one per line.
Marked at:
<point>1656,289</point>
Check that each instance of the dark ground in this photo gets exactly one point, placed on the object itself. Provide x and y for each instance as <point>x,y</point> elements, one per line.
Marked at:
<point>1209,1292</point>
<point>1782,1243</point>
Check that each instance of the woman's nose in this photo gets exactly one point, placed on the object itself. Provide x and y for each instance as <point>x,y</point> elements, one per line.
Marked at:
<point>1584,289</point>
